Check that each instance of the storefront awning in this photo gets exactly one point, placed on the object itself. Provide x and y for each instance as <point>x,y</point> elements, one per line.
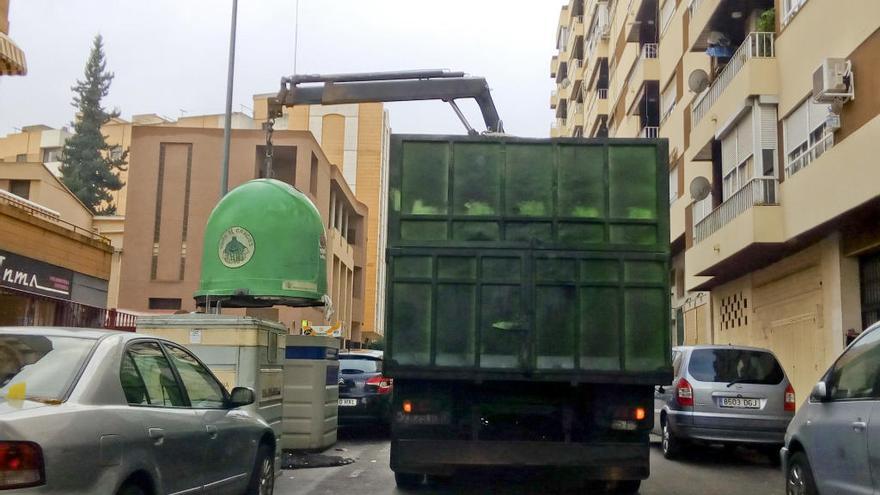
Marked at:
<point>12,62</point>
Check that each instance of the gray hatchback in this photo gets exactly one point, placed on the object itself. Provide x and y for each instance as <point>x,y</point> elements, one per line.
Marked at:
<point>724,394</point>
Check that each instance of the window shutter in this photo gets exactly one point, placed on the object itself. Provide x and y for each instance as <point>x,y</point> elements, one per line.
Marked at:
<point>728,153</point>
<point>666,14</point>
<point>768,127</point>
<point>818,112</point>
<point>796,127</point>
<point>745,142</point>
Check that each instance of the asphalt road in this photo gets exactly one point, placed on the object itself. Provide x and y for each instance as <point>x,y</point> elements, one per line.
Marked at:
<point>711,471</point>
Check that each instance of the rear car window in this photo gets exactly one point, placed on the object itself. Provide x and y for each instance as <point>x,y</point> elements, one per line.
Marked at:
<point>735,365</point>
<point>359,365</point>
<point>40,367</point>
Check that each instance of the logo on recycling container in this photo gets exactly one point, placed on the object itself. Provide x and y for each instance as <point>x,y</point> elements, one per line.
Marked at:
<point>236,247</point>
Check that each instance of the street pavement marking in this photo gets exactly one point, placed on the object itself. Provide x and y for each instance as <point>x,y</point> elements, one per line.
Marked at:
<point>356,473</point>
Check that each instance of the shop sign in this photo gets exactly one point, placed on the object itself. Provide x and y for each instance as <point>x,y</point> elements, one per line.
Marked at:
<point>25,274</point>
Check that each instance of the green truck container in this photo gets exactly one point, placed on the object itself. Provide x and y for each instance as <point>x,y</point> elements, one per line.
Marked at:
<point>527,283</point>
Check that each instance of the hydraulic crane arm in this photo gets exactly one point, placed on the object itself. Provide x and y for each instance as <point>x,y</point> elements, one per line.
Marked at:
<point>334,89</point>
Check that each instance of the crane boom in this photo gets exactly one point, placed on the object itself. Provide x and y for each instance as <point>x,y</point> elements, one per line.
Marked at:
<point>335,89</point>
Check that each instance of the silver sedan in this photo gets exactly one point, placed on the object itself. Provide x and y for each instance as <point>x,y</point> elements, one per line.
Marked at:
<point>88,411</point>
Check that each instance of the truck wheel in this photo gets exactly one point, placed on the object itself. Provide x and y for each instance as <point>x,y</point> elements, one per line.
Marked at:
<point>670,444</point>
<point>626,487</point>
<point>799,478</point>
<point>408,480</point>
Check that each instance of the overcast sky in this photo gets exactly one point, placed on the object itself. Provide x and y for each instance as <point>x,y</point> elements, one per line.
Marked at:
<point>170,56</point>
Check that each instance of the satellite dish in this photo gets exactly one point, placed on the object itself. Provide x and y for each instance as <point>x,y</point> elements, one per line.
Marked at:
<point>700,188</point>
<point>698,81</point>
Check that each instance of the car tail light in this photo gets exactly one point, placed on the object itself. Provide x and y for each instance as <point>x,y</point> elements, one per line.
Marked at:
<point>382,384</point>
<point>684,393</point>
<point>21,465</point>
<point>789,398</point>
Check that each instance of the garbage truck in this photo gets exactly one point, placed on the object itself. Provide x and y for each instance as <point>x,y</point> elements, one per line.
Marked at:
<point>527,295</point>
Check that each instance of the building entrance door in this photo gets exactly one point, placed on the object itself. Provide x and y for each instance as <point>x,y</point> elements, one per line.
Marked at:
<point>869,281</point>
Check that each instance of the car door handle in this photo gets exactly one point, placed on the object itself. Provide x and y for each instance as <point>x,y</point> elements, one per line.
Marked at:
<point>157,434</point>
<point>859,426</point>
<point>212,431</point>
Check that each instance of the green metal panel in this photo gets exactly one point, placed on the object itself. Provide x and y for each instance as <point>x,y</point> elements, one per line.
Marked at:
<point>532,259</point>
<point>594,194</point>
<point>264,245</point>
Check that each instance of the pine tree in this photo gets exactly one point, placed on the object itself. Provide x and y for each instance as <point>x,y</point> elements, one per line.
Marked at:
<point>89,168</point>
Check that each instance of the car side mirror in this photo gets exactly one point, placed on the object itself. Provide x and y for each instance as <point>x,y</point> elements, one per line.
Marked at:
<point>241,396</point>
<point>820,392</point>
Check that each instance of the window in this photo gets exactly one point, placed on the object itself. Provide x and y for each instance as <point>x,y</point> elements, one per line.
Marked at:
<point>116,153</point>
<point>666,13</point>
<point>673,184</point>
<point>790,8</point>
<point>354,365</point>
<point>47,365</point>
<point>160,385</point>
<point>132,383</point>
<point>164,303</point>
<point>735,365</point>
<point>856,375</point>
<point>805,135</point>
<point>21,188</point>
<point>202,388</point>
<point>676,363</point>
<point>737,148</point>
<point>313,176</point>
<point>21,158</point>
<point>51,155</point>
<point>667,98</point>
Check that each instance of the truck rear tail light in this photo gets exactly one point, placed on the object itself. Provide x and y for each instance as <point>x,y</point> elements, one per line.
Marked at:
<point>628,418</point>
<point>21,465</point>
<point>382,384</point>
<point>684,393</point>
<point>790,403</point>
<point>407,406</point>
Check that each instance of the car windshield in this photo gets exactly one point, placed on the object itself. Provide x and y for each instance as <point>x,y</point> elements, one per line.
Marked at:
<point>40,367</point>
<point>357,365</point>
<point>735,365</point>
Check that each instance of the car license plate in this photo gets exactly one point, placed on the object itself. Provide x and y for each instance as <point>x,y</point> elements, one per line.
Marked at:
<point>740,403</point>
<point>348,402</point>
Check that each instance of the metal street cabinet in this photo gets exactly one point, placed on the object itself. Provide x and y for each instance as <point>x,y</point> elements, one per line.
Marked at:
<point>311,392</point>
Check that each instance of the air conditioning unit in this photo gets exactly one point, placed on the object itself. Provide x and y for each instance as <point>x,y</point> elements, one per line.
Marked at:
<point>833,81</point>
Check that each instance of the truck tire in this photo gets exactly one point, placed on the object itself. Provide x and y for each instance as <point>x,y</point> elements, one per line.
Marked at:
<point>799,476</point>
<point>408,480</point>
<point>669,444</point>
<point>627,487</point>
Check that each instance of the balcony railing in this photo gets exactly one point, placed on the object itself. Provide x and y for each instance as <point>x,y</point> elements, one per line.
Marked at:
<point>756,45</point>
<point>603,93</point>
<point>47,214</point>
<point>649,50</point>
<point>760,191</point>
<point>649,132</point>
<point>815,151</point>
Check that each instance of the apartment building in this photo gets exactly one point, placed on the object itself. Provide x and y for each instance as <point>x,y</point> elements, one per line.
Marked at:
<point>12,59</point>
<point>174,179</point>
<point>773,195</point>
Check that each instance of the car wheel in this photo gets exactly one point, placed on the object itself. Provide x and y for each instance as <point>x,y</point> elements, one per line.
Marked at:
<point>669,443</point>
<point>799,478</point>
<point>408,480</point>
<point>131,489</point>
<point>263,476</point>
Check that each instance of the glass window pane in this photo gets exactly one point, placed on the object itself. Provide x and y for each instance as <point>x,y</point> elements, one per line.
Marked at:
<point>632,182</point>
<point>476,182</point>
<point>412,267</point>
<point>582,181</point>
<point>740,365</point>
<point>644,271</point>
<point>162,387</point>
<point>600,329</point>
<point>456,267</point>
<point>132,383</point>
<point>455,325</point>
<point>555,270</point>
<point>411,319</point>
<point>527,231</point>
<point>643,235</point>
<point>529,180</point>
<point>46,366</point>
<point>203,390</point>
<point>556,318</point>
<point>425,178</point>
<point>646,327</point>
<point>600,270</point>
<point>504,328</point>
<point>475,231</point>
<point>423,231</point>
<point>502,269</point>
<point>857,374</point>
<point>581,233</point>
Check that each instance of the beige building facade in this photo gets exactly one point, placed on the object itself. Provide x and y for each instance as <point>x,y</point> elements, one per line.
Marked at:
<point>782,249</point>
<point>12,59</point>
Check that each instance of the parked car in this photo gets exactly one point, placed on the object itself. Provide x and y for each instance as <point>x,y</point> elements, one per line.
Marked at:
<point>364,394</point>
<point>724,394</point>
<point>833,444</point>
<point>92,411</point>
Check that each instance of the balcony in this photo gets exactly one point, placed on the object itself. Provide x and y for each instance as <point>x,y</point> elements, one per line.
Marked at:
<point>554,99</point>
<point>760,191</point>
<point>597,107</point>
<point>739,235</point>
<point>721,16</point>
<point>809,155</point>
<point>576,119</point>
<point>750,72</point>
<point>650,132</point>
<point>554,65</point>
<point>646,68</point>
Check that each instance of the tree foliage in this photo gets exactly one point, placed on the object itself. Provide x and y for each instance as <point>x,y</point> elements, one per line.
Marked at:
<point>89,165</point>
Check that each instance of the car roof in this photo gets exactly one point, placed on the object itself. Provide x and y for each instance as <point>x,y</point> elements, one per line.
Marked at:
<point>362,353</point>
<point>82,333</point>
<point>720,346</point>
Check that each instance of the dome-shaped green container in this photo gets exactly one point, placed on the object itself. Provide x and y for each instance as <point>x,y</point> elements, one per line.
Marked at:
<point>264,245</point>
